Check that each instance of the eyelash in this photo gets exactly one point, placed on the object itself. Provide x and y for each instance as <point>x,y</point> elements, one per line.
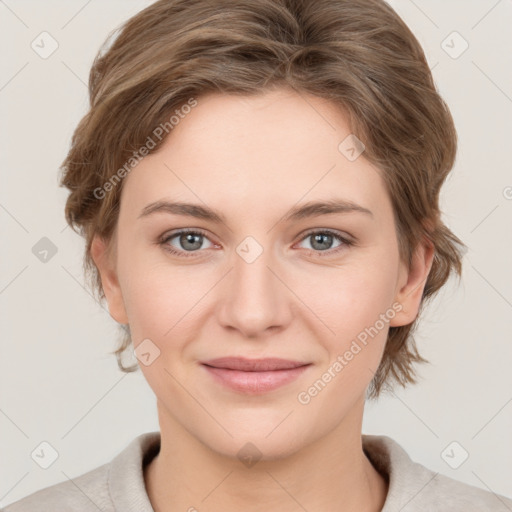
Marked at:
<point>329,252</point>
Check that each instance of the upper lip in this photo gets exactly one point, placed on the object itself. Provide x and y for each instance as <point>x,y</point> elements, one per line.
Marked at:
<point>253,365</point>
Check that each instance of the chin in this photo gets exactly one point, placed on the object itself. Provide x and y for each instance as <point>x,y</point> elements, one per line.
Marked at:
<point>249,449</point>
<point>268,439</point>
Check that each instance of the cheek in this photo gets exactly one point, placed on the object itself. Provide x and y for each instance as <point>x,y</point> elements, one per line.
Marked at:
<point>162,305</point>
<point>162,299</point>
<point>358,312</point>
<point>156,300</point>
<point>141,284</point>
<point>351,298</point>
<point>355,302</point>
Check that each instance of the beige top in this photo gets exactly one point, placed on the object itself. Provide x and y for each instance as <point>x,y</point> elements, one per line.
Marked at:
<point>119,485</point>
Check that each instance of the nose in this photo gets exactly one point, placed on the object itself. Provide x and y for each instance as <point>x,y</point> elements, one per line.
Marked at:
<point>256,300</point>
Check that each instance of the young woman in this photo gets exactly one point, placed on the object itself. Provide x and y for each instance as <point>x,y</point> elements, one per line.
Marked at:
<point>258,186</point>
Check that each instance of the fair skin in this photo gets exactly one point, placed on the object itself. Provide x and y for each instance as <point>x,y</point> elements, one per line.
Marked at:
<point>252,159</point>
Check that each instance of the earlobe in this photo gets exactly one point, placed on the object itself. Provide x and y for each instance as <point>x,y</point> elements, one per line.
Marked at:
<point>109,280</point>
<point>412,284</point>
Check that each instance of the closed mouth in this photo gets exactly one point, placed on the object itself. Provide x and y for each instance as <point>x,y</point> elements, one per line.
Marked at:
<point>254,365</point>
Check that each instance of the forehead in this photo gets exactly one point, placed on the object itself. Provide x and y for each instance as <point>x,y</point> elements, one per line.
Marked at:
<point>254,153</point>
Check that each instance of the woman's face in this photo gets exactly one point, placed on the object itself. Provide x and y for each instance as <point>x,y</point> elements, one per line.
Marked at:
<point>260,282</point>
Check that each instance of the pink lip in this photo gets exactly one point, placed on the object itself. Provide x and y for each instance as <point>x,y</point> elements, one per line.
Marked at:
<point>254,376</point>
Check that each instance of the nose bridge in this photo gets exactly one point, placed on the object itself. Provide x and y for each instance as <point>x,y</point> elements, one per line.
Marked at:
<point>256,298</point>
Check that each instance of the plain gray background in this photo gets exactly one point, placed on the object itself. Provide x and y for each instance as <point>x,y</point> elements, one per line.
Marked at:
<point>59,383</point>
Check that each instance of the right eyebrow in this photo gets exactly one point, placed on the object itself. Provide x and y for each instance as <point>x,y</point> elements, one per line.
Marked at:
<point>188,209</point>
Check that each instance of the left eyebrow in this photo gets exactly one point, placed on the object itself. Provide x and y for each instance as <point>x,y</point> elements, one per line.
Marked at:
<point>317,208</point>
<point>310,209</point>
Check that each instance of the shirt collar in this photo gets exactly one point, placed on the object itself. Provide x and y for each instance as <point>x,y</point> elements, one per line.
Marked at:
<point>128,492</point>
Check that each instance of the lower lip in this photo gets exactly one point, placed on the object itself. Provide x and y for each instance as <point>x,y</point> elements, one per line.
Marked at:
<point>255,382</point>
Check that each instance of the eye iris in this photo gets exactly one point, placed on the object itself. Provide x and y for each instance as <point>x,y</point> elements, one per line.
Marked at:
<point>321,238</point>
<point>189,237</point>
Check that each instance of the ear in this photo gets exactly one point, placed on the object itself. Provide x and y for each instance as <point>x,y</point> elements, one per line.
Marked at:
<point>103,259</point>
<point>411,284</point>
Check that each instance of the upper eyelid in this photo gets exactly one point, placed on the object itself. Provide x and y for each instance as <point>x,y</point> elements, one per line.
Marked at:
<point>332,231</point>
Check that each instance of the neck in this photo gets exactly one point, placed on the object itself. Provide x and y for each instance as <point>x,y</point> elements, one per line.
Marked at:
<point>332,473</point>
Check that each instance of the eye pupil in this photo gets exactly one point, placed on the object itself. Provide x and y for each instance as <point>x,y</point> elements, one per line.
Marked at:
<point>189,237</point>
<point>320,237</point>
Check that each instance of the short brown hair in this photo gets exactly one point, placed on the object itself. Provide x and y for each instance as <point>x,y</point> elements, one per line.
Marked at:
<point>358,54</point>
